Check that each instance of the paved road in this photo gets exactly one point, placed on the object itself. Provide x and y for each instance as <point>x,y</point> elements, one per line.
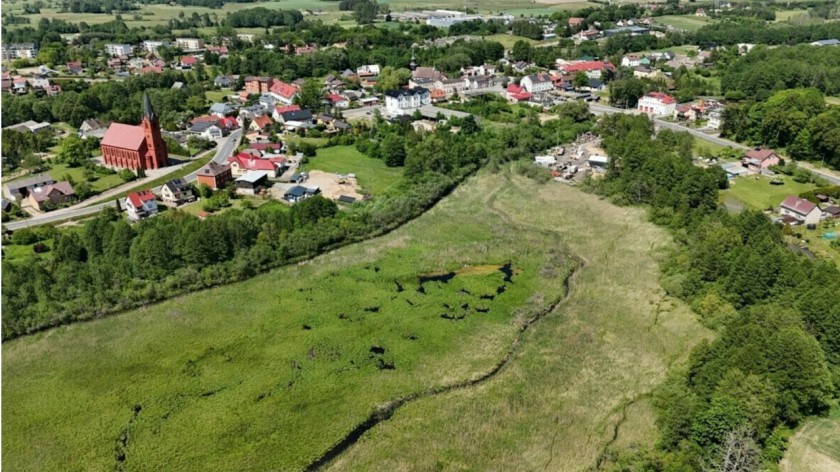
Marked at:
<point>222,153</point>
<point>601,109</point>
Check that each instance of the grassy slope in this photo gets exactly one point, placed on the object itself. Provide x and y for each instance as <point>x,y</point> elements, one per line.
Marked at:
<point>372,174</point>
<point>759,194</point>
<point>199,364</point>
<point>685,22</point>
<point>816,446</point>
<point>556,405</point>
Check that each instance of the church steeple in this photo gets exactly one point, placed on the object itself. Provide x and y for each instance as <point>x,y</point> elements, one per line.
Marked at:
<point>148,111</point>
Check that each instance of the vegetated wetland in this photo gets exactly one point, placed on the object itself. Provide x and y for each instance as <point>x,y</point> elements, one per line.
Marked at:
<point>272,372</point>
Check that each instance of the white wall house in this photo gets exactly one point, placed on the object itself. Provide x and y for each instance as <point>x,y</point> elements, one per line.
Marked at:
<point>139,205</point>
<point>152,46</point>
<point>189,44</point>
<point>803,210</point>
<point>536,83</point>
<point>714,120</point>
<point>119,49</point>
<point>405,101</point>
<point>19,51</point>
<point>657,104</point>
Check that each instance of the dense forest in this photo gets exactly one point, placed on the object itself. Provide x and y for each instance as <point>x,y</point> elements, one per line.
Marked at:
<point>107,265</point>
<point>776,358</point>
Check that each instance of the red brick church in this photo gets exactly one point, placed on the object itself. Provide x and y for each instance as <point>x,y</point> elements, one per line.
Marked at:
<point>136,147</point>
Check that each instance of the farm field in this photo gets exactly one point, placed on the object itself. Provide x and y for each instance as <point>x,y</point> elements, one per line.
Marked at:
<point>784,15</point>
<point>816,446</point>
<point>582,373</point>
<point>372,174</point>
<point>684,22</point>
<point>275,370</point>
<point>758,193</point>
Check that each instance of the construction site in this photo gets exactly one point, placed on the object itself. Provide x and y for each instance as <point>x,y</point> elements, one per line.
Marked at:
<point>575,161</point>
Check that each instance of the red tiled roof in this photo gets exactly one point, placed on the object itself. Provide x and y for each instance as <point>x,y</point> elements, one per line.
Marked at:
<point>438,93</point>
<point>283,89</point>
<point>264,146</point>
<point>575,21</point>
<point>228,122</point>
<point>155,69</point>
<point>205,119</point>
<point>189,60</point>
<point>513,88</point>
<point>263,121</point>
<point>760,154</point>
<point>333,98</point>
<point>285,109</point>
<point>124,136</point>
<point>662,97</point>
<point>585,66</point>
<point>251,163</point>
<point>798,205</point>
<point>136,199</point>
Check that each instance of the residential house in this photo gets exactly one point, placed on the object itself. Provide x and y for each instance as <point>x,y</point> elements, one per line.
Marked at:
<point>115,63</point>
<point>657,104</point>
<point>477,82</point>
<point>537,83</point>
<point>700,12</point>
<point>19,85</point>
<point>831,212</point>
<point>298,193</point>
<point>243,163</point>
<point>152,46</point>
<point>19,189</point>
<point>430,73</point>
<point>119,49</point>
<point>803,211</point>
<point>405,101</point>
<point>258,85</point>
<point>261,123</point>
<point>279,111</point>
<point>222,81</point>
<point>576,21</point>
<point>190,44</point>
<point>714,120</point>
<point>630,60</point>
<point>758,159</point>
<point>302,116</point>
<point>215,175</point>
<point>221,51</point>
<point>176,192</point>
<point>337,101</point>
<point>74,67</point>
<point>92,128</point>
<point>593,69</point>
<point>643,72</point>
<point>266,148</point>
<point>251,182</point>
<point>206,129</point>
<point>50,196</point>
<point>588,35</point>
<point>140,205</point>
<point>221,110</point>
<point>370,70</point>
<point>188,62</point>
<point>437,96</point>
<point>19,51</point>
<point>449,86</point>
<point>283,92</point>
<point>515,93</point>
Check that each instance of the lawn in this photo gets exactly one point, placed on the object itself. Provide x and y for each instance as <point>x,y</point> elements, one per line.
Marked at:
<point>784,15</point>
<point>371,174</point>
<point>102,183</point>
<point>758,193</point>
<point>273,371</point>
<point>684,22</point>
<point>197,207</point>
<point>816,446</point>
<point>216,96</point>
<point>508,40</point>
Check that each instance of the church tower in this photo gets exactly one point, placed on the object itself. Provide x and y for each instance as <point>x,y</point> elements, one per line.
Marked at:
<point>156,153</point>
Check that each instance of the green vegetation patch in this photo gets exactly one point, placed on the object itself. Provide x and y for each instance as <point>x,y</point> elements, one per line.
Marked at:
<point>760,194</point>
<point>372,174</point>
<point>269,373</point>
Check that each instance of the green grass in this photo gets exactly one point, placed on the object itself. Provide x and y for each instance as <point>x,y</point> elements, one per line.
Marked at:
<point>508,40</point>
<point>784,15</point>
<point>104,182</point>
<point>371,174</point>
<point>197,207</point>
<point>268,373</point>
<point>15,252</point>
<point>758,193</point>
<point>816,446</point>
<point>216,96</point>
<point>684,22</point>
<point>190,167</point>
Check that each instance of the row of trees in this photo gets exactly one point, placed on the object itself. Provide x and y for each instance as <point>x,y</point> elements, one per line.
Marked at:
<point>796,119</point>
<point>776,359</point>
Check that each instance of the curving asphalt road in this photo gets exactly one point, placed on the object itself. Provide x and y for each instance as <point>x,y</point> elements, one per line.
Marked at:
<point>222,153</point>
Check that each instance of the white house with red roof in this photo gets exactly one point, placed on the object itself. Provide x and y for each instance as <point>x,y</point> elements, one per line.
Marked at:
<point>188,62</point>
<point>283,92</point>
<point>758,159</point>
<point>278,112</point>
<point>139,205</point>
<point>337,101</point>
<point>515,93</point>
<point>261,123</point>
<point>536,83</point>
<point>657,104</point>
<point>592,69</point>
<point>804,211</point>
<point>243,163</point>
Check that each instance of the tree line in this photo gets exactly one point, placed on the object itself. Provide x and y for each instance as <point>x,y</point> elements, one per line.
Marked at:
<point>776,359</point>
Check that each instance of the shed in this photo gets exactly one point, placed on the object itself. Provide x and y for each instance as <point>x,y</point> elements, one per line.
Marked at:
<point>251,182</point>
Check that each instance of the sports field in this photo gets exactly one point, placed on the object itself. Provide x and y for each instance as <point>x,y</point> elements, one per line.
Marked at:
<point>269,373</point>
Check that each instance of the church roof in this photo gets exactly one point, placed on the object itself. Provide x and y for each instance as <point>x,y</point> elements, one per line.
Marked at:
<point>148,111</point>
<point>124,136</point>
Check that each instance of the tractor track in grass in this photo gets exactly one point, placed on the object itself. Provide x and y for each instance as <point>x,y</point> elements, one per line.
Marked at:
<point>385,411</point>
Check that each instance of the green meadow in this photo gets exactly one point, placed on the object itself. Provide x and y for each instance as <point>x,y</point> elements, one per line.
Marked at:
<point>269,373</point>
